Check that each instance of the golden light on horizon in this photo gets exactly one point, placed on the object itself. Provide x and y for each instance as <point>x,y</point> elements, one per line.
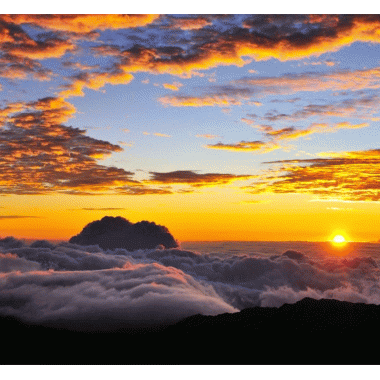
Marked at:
<point>339,239</point>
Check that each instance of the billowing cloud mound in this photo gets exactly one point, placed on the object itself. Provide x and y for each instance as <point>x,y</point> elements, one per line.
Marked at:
<point>85,287</point>
<point>117,232</point>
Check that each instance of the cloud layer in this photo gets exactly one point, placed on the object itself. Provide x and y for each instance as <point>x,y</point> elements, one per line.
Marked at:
<point>86,287</point>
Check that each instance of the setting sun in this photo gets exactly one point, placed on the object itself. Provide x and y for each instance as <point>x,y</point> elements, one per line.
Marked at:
<point>339,239</point>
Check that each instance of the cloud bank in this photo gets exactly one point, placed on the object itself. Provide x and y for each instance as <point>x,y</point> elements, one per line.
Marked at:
<point>90,288</point>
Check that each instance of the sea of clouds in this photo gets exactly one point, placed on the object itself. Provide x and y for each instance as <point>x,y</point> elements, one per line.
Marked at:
<point>76,286</point>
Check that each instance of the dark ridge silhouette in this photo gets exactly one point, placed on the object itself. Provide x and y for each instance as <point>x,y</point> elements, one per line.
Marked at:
<point>117,232</point>
<point>307,332</point>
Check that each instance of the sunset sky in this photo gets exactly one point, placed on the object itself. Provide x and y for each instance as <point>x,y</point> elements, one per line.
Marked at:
<point>219,127</point>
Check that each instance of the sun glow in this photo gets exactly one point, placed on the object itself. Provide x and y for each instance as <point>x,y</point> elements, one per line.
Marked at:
<point>339,239</point>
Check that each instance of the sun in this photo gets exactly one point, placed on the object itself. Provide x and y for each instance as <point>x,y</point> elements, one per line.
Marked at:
<point>339,239</point>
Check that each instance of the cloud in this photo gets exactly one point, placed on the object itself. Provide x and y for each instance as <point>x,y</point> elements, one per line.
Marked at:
<point>173,86</point>
<point>340,80</point>
<point>117,232</point>
<point>94,81</point>
<point>294,133</point>
<point>189,23</point>
<point>261,37</point>
<point>161,134</point>
<point>192,178</point>
<point>241,91</point>
<point>246,146</point>
<point>202,101</point>
<point>254,202</point>
<point>21,50</point>
<point>101,208</point>
<point>283,38</point>
<point>40,155</point>
<point>12,263</point>
<point>82,23</point>
<point>145,190</point>
<point>363,107</point>
<point>86,287</point>
<point>208,136</point>
<point>18,216</point>
<point>142,295</point>
<point>351,176</point>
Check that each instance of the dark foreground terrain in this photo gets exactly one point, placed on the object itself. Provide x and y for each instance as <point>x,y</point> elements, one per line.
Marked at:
<point>307,332</point>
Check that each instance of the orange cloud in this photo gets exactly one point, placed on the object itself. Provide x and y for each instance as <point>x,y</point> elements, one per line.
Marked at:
<point>246,146</point>
<point>161,134</point>
<point>21,52</point>
<point>208,136</point>
<point>82,23</point>
<point>40,155</point>
<point>233,46</point>
<point>283,37</point>
<point>203,101</point>
<point>294,133</point>
<point>173,86</point>
<point>190,23</point>
<point>350,176</point>
<point>94,81</point>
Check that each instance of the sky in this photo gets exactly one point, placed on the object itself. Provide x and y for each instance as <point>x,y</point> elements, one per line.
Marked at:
<point>217,126</point>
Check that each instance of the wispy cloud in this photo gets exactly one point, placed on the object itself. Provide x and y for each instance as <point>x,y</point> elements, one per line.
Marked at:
<point>246,146</point>
<point>352,176</point>
<point>101,208</point>
<point>19,216</point>
<point>192,178</point>
<point>208,136</point>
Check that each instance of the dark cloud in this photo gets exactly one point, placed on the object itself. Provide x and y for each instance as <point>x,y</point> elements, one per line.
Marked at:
<point>10,242</point>
<point>117,232</point>
<point>192,178</point>
<point>11,263</point>
<point>284,38</point>
<point>213,41</point>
